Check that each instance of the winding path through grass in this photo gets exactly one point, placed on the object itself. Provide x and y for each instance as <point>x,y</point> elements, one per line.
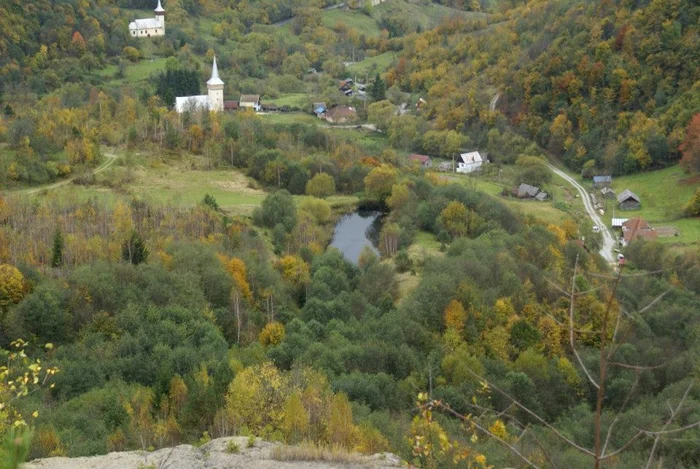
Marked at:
<point>111,158</point>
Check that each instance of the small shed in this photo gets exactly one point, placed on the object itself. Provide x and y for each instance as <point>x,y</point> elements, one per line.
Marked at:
<point>319,109</point>
<point>607,193</point>
<point>602,181</point>
<point>617,222</point>
<point>423,160</point>
<point>269,107</point>
<point>526,191</point>
<point>628,200</point>
<point>230,105</point>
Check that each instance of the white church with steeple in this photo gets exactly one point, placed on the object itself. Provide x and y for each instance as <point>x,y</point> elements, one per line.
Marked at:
<point>149,27</point>
<point>212,101</point>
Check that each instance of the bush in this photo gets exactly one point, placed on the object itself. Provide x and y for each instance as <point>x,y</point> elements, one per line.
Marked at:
<point>322,185</point>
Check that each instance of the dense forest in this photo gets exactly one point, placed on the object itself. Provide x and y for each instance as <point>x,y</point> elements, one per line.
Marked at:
<point>505,341</point>
<point>608,86</point>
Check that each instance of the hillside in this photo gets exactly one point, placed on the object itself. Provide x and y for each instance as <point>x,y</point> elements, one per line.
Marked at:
<point>606,85</point>
<point>352,235</point>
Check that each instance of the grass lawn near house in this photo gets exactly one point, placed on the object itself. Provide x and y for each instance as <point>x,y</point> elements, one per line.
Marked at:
<point>663,193</point>
<point>292,99</point>
<point>546,211</point>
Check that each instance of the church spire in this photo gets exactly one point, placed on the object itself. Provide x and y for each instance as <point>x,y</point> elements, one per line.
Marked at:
<point>215,80</point>
<point>159,8</point>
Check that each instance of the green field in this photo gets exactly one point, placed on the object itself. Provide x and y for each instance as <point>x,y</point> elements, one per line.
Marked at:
<point>292,99</point>
<point>545,211</point>
<point>351,19</point>
<point>135,72</point>
<point>377,64</point>
<point>663,193</point>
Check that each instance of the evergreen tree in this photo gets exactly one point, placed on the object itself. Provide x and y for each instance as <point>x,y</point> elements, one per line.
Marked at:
<point>57,252</point>
<point>134,250</point>
<point>378,89</point>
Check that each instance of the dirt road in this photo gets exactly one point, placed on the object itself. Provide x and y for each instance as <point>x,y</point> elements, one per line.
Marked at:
<point>608,240</point>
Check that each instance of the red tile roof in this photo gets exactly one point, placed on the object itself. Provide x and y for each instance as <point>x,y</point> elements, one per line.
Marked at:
<point>417,157</point>
<point>636,228</point>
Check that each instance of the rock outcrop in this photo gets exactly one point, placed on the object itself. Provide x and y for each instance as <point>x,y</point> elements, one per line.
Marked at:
<point>217,454</point>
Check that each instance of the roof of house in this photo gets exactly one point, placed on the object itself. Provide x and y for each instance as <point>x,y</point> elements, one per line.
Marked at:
<point>268,105</point>
<point>230,104</point>
<point>417,157</point>
<point>627,194</point>
<point>638,228</point>
<point>341,111</point>
<point>320,110</point>
<point>471,157</point>
<point>541,196</point>
<point>606,190</point>
<point>192,103</point>
<point>146,23</point>
<point>527,189</point>
<point>319,105</point>
<point>617,222</point>
<point>597,179</point>
<point>249,98</point>
<point>215,80</point>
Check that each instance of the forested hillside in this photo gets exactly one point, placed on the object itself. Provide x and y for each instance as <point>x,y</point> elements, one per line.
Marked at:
<point>168,277</point>
<point>607,85</point>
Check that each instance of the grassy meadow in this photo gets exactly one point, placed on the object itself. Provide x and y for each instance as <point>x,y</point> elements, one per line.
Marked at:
<point>664,193</point>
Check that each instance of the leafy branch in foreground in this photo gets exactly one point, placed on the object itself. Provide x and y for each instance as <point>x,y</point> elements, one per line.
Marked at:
<point>616,326</point>
<point>20,376</point>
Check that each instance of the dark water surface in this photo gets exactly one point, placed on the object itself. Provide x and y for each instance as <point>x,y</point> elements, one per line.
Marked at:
<point>355,231</point>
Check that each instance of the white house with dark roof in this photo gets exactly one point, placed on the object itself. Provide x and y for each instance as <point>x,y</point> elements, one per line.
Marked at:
<point>469,162</point>
<point>149,27</point>
<point>212,101</point>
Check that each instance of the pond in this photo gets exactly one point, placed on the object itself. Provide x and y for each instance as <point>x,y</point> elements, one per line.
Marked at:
<point>355,231</point>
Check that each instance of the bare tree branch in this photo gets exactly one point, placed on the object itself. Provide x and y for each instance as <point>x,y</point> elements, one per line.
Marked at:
<point>531,413</point>
<point>619,413</point>
<point>454,413</point>
<point>668,422</point>
<point>572,343</point>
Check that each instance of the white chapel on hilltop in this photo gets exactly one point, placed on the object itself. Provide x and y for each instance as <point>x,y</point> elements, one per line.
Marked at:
<point>212,101</point>
<point>149,26</point>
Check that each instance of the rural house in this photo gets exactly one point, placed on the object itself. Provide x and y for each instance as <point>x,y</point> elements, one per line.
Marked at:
<point>423,160</point>
<point>250,101</point>
<point>602,181</point>
<point>636,228</point>
<point>340,115</point>
<point>628,200</point>
<point>469,162</point>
